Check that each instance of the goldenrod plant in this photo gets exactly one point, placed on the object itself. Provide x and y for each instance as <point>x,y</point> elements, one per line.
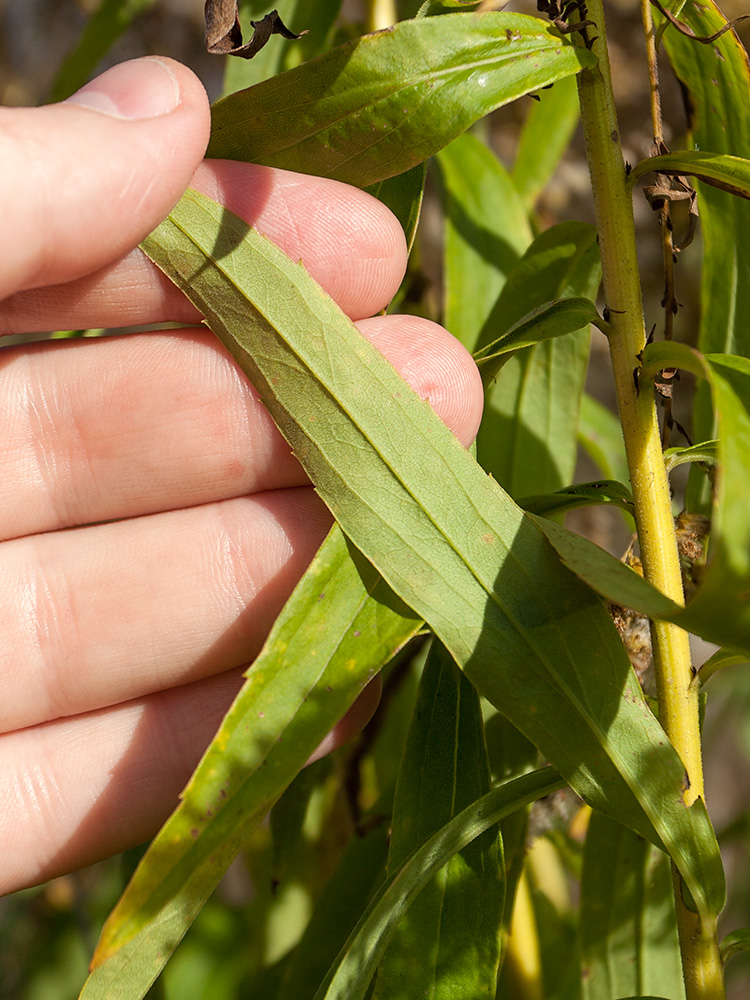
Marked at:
<point>528,819</point>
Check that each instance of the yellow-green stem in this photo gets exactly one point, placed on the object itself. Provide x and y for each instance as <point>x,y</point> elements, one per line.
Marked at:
<point>678,701</point>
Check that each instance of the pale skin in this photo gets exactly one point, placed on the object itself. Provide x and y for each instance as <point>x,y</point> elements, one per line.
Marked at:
<point>152,519</point>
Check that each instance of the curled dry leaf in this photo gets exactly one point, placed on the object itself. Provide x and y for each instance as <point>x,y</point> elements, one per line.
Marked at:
<point>224,33</point>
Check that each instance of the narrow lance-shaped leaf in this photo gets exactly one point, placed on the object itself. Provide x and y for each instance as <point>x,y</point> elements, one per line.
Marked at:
<point>719,611</point>
<point>379,105</point>
<point>339,626</point>
<point>350,975</point>
<point>717,80</point>
<point>608,492</point>
<point>545,136</point>
<point>454,924</point>
<point>442,532</point>
<point>553,319</point>
<point>728,173</point>
<point>528,437</point>
<point>486,230</point>
<point>628,929</point>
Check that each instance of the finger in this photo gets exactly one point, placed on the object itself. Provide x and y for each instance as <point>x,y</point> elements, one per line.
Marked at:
<point>82,789</point>
<point>120,427</point>
<point>84,181</point>
<point>101,615</point>
<point>349,242</point>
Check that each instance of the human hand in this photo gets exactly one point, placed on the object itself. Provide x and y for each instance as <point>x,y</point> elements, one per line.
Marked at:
<point>152,519</point>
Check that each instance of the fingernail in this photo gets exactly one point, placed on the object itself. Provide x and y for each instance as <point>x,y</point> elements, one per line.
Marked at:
<point>141,88</point>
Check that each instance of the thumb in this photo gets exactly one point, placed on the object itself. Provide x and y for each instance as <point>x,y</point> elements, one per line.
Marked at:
<point>82,182</point>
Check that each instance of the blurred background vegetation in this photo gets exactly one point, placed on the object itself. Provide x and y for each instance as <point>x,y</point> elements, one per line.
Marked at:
<point>241,945</point>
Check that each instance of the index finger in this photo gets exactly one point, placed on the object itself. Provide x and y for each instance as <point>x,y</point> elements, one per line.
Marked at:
<point>348,241</point>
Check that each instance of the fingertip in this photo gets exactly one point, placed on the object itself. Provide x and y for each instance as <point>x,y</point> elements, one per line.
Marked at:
<point>436,365</point>
<point>87,179</point>
<point>349,242</point>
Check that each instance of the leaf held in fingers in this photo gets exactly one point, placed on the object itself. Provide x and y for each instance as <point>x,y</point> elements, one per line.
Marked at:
<point>379,105</point>
<point>224,33</point>
<point>443,534</point>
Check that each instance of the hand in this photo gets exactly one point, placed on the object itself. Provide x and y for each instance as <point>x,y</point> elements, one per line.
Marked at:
<point>152,519</point>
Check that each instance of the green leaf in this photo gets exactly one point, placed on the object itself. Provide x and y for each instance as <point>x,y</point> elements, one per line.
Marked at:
<point>110,20</point>
<point>358,875</point>
<point>628,929</point>
<point>528,437</point>
<point>705,453</point>
<point>547,131</point>
<point>349,978</point>
<point>728,173</point>
<point>716,78</point>
<point>454,924</point>
<point>600,435</point>
<point>379,105</point>
<point>486,232</point>
<point>607,575</point>
<point>721,658</point>
<point>734,943</point>
<point>720,610</point>
<point>553,319</point>
<point>340,624</point>
<point>286,820</point>
<point>581,495</point>
<point>442,532</point>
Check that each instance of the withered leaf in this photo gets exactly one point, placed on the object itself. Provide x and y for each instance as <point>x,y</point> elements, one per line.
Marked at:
<point>224,34</point>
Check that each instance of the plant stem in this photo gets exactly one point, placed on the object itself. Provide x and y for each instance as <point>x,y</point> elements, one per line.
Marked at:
<point>678,702</point>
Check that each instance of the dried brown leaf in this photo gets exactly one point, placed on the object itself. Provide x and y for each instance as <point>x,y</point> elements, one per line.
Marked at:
<point>224,33</point>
